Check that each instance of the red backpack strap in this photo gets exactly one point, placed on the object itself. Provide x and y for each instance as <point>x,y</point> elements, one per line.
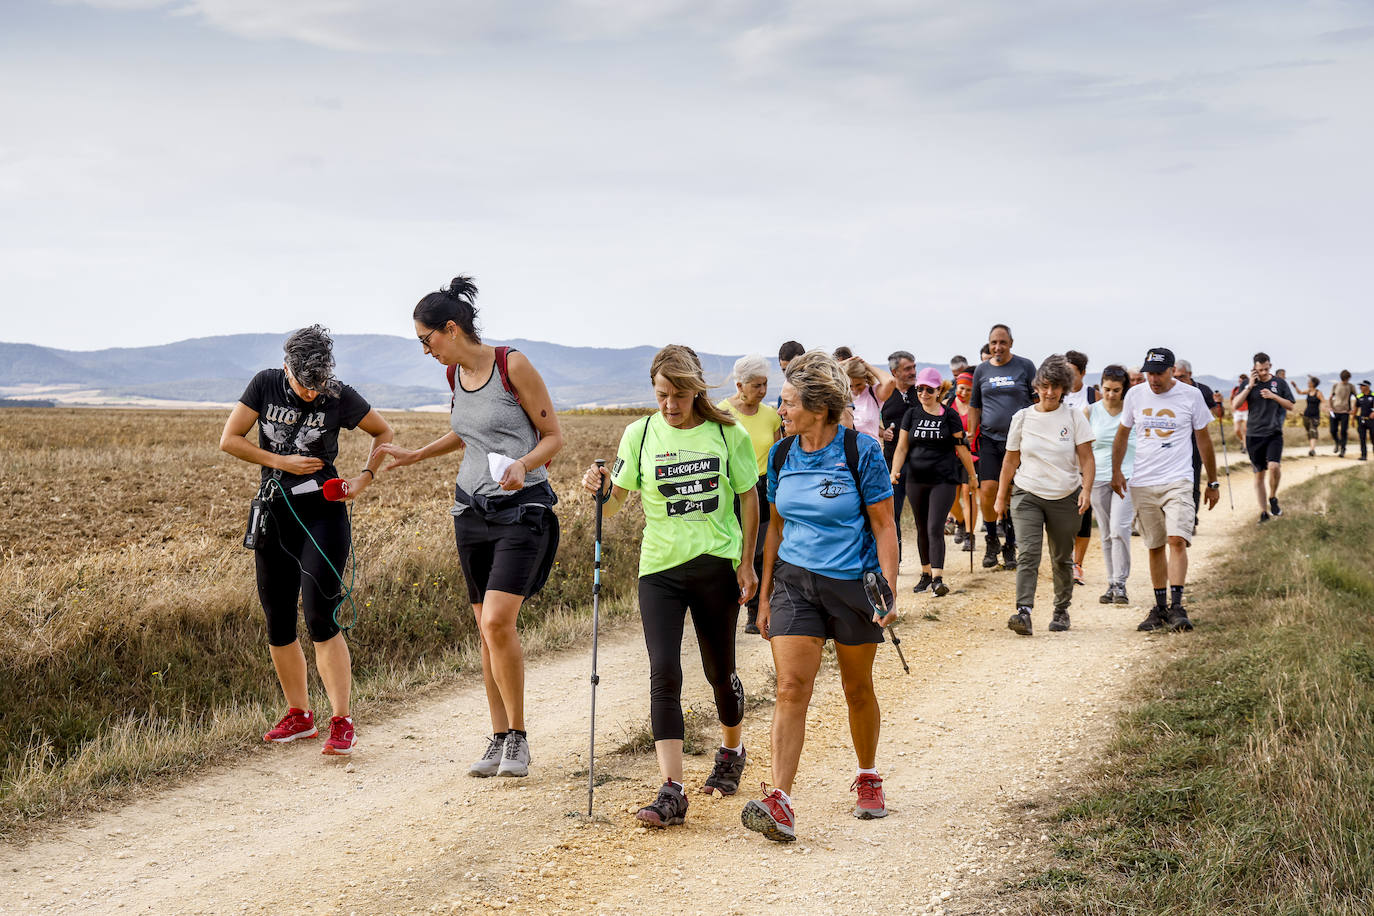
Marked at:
<point>502,353</point>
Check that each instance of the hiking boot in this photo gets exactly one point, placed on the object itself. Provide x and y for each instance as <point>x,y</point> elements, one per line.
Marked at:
<point>490,761</point>
<point>871,802</point>
<point>1009,556</point>
<point>1311,452</point>
<point>1274,509</point>
<point>968,542</point>
<point>770,816</point>
<point>342,737</point>
<point>1264,517</point>
<point>1121,594</point>
<point>751,628</point>
<point>1178,619</point>
<point>724,778</point>
<point>960,532</point>
<point>1109,596</point>
<point>990,550</point>
<point>667,810</point>
<point>938,588</point>
<point>1078,574</point>
<point>922,583</point>
<point>1155,620</point>
<point>515,756</point>
<point>1059,622</point>
<point>1020,622</point>
<point>297,723</point>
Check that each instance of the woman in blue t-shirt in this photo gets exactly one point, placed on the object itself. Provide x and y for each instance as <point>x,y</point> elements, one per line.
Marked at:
<point>831,523</point>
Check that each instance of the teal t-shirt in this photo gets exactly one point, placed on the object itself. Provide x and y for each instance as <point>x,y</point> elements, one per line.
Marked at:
<point>687,486</point>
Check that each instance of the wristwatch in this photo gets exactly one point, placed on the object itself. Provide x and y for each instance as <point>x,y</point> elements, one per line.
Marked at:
<point>1214,485</point>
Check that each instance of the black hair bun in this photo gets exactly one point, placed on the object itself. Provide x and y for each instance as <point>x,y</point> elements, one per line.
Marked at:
<point>462,288</point>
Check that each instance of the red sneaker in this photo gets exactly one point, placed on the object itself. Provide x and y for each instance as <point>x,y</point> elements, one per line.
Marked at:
<point>772,817</point>
<point>871,802</point>
<point>341,737</point>
<point>297,723</point>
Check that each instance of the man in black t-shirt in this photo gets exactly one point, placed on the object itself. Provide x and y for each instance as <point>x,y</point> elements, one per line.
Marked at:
<point>902,365</point>
<point>1269,399</point>
<point>1002,385</point>
<point>1364,417</point>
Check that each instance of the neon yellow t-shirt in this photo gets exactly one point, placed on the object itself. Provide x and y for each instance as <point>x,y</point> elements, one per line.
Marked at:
<point>687,487</point>
<point>762,428</point>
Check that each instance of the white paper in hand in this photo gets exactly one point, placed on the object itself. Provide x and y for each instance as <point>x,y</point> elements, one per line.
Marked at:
<point>498,463</point>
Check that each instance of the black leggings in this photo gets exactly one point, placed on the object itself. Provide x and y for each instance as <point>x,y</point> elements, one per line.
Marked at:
<point>290,568</point>
<point>1340,428</point>
<point>707,586</point>
<point>930,505</point>
<point>765,514</point>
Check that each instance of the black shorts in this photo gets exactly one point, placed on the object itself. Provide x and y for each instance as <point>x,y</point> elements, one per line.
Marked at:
<point>503,558</point>
<point>1264,450</point>
<point>1085,527</point>
<point>804,603</point>
<point>991,452</point>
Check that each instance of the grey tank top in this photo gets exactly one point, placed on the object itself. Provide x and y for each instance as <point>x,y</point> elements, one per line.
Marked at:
<point>489,421</point>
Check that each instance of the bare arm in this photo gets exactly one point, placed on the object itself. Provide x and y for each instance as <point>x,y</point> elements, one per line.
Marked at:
<point>885,533</point>
<point>376,426</point>
<point>749,528</point>
<point>448,442</point>
<point>1010,463</point>
<point>234,441</point>
<point>1209,461</point>
<point>899,456</point>
<point>771,542</point>
<point>1123,438</point>
<point>1087,466</point>
<point>538,406</point>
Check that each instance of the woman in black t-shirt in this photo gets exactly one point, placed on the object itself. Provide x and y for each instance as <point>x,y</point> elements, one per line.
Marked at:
<point>299,410</point>
<point>932,447</point>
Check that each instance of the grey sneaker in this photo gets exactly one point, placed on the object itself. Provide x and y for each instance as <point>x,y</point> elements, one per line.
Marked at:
<point>1060,622</point>
<point>668,809</point>
<point>487,764</point>
<point>515,757</point>
<point>1109,596</point>
<point>1121,594</point>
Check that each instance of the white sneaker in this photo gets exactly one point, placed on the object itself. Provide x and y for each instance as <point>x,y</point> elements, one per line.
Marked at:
<point>490,761</point>
<point>515,758</point>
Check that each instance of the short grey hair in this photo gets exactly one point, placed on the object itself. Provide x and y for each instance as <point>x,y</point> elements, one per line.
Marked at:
<point>310,357</point>
<point>894,359</point>
<point>1055,372</point>
<point>748,367</point>
<point>1184,365</point>
<point>821,384</point>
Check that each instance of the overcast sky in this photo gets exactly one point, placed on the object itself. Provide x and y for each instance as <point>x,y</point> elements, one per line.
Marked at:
<point>878,173</point>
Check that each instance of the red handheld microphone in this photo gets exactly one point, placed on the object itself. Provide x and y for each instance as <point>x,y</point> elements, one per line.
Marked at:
<point>335,489</point>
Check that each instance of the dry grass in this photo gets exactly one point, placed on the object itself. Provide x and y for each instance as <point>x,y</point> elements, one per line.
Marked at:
<point>131,640</point>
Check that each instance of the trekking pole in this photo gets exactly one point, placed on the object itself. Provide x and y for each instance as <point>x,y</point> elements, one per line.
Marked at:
<point>968,529</point>
<point>882,608</point>
<point>1227,459</point>
<point>596,622</point>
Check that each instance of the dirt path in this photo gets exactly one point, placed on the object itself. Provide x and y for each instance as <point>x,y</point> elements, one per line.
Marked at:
<point>988,728</point>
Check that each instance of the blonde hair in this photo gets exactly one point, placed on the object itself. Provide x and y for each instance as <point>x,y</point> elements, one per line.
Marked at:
<point>681,368</point>
<point>857,369</point>
<point>750,367</point>
<point>821,384</point>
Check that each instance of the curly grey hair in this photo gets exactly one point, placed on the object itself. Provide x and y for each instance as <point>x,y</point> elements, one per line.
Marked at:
<point>895,358</point>
<point>310,357</point>
<point>1056,372</point>
<point>750,367</point>
<point>820,382</point>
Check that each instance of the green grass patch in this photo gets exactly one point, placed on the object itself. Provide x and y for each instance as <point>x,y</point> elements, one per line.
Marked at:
<point>1246,784</point>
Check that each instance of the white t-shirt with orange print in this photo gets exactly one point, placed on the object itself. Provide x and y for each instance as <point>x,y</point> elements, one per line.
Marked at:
<point>1164,425</point>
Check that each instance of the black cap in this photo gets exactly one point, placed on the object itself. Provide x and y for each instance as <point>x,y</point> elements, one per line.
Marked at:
<point>1157,360</point>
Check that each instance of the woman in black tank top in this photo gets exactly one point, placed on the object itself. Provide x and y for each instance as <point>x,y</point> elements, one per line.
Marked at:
<point>1312,414</point>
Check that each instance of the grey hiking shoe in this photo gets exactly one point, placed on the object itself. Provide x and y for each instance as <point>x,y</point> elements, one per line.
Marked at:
<point>487,764</point>
<point>724,778</point>
<point>667,810</point>
<point>1059,622</point>
<point>515,757</point>
<point>1121,594</point>
<point>1109,596</point>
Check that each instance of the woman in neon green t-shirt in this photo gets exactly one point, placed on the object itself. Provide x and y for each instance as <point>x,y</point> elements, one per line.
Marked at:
<point>764,427</point>
<point>688,461</point>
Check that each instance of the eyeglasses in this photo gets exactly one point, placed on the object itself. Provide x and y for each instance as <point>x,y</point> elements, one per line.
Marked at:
<point>924,389</point>
<point>424,341</point>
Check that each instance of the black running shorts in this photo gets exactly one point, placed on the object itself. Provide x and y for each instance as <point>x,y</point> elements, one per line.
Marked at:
<point>1264,450</point>
<point>804,603</point>
<point>991,452</point>
<point>502,558</point>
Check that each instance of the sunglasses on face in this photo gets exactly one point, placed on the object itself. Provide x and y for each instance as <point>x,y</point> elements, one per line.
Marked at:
<point>924,389</point>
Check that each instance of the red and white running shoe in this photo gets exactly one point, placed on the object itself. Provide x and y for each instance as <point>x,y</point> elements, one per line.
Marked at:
<point>871,802</point>
<point>771,816</point>
<point>342,738</point>
<point>297,723</point>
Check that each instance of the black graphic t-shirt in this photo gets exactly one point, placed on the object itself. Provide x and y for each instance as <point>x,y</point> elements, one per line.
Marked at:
<point>1000,391</point>
<point>930,457</point>
<point>288,425</point>
<point>894,408</point>
<point>1266,414</point>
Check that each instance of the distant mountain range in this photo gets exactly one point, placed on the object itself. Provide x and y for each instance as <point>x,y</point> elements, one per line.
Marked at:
<point>391,372</point>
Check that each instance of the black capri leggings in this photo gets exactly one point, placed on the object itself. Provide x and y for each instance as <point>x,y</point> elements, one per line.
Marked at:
<point>707,586</point>
<point>930,505</point>
<point>290,568</point>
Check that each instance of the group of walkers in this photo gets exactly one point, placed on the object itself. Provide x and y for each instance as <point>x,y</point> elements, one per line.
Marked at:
<point>789,509</point>
<point>1341,405</point>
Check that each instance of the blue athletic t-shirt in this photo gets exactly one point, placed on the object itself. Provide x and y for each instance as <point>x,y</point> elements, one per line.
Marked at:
<point>823,521</point>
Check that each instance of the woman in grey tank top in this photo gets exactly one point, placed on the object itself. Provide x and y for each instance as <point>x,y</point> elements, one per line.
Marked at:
<point>505,529</point>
